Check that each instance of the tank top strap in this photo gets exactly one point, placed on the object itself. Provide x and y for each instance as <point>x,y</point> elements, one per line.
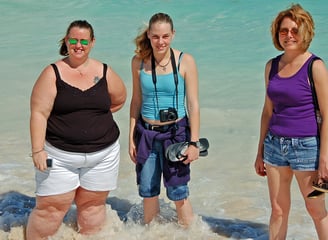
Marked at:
<point>274,66</point>
<point>141,64</point>
<point>105,70</point>
<point>179,61</point>
<point>56,71</point>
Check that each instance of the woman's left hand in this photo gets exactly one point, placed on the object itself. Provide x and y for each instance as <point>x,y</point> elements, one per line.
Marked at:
<point>192,154</point>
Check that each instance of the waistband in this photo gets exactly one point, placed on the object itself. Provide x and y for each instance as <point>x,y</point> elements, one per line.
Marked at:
<point>159,128</point>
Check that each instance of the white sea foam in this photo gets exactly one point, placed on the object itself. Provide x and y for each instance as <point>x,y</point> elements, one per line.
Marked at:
<point>230,41</point>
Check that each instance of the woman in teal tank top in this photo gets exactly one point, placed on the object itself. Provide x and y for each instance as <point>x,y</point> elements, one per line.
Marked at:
<point>158,116</point>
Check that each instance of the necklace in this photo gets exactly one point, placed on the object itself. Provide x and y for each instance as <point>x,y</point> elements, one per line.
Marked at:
<point>163,66</point>
<point>80,72</point>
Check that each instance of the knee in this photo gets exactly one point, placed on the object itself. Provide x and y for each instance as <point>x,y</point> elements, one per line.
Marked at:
<point>35,227</point>
<point>278,211</point>
<point>316,210</point>
<point>91,218</point>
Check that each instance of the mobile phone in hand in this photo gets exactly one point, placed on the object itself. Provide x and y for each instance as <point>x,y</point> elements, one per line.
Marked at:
<point>49,162</point>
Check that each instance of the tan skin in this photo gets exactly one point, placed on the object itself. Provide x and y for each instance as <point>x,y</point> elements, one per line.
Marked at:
<point>80,71</point>
<point>280,178</point>
<point>161,35</point>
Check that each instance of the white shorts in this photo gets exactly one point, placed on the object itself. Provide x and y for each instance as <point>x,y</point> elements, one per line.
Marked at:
<point>96,171</point>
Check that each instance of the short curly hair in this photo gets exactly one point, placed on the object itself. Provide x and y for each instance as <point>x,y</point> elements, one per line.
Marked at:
<point>302,18</point>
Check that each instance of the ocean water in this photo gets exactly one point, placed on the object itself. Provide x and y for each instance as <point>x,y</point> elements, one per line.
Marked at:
<point>231,42</point>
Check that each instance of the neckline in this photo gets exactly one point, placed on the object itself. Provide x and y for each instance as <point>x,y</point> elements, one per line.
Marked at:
<point>79,89</point>
<point>297,72</point>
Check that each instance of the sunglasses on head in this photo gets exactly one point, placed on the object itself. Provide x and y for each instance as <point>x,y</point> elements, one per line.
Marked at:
<point>74,41</point>
<point>285,31</point>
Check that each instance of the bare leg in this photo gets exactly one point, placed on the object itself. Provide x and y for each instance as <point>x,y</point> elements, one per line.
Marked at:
<point>315,207</point>
<point>184,212</point>
<point>47,216</point>
<point>151,209</point>
<point>91,210</point>
<point>279,180</point>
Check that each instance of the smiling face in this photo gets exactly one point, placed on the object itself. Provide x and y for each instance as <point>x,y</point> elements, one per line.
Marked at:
<point>289,35</point>
<point>79,42</point>
<point>160,35</point>
<point>291,27</point>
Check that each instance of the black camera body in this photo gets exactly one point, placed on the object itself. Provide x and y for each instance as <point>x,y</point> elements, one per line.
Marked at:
<point>167,115</point>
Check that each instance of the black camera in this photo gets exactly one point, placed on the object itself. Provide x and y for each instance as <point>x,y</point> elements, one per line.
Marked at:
<point>166,115</point>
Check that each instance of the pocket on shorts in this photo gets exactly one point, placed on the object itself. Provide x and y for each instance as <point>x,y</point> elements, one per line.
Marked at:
<point>268,146</point>
<point>309,143</point>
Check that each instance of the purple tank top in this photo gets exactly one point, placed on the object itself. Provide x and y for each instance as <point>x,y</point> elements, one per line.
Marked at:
<point>293,108</point>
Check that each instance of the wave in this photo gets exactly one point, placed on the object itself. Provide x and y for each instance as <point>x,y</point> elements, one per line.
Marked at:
<point>126,218</point>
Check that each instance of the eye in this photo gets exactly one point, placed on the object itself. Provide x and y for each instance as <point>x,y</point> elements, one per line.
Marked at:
<point>84,41</point>
<point>294,31</point>
<point>285,31</point>
<point>72,41</point>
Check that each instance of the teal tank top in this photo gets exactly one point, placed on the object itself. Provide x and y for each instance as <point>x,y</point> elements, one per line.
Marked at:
<point>166,95</point>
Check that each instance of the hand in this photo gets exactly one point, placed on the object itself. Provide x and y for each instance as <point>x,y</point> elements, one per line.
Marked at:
<point>40,160</point>
<point>259,166</point>
<point>191,154</point>
<point>323,171</point>
<point>133,152</point>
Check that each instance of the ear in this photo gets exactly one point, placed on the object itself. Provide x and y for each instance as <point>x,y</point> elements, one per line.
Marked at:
<point>93,42</point>
<point>173,34</point>
<point>65,41</point>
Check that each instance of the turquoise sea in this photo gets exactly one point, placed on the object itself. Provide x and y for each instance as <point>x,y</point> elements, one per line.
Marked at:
<point>231,42</point>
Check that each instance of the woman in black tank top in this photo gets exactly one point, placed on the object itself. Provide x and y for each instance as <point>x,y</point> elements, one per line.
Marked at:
<point>71,119</point>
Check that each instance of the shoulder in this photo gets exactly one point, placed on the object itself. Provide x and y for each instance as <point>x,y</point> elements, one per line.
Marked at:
<point>48,71</point>
<point>318,64</point>
<point>96,63</point>
<point>272,61</point>
<point>268,64</point>
<point>136,60</point>
<point>186,58</point>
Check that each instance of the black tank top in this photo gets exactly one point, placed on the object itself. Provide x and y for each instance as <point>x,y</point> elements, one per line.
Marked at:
<point>81,121</point>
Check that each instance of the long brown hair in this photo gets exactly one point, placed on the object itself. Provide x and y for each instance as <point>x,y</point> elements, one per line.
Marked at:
<point>142,42</point>
<point>80,24</point>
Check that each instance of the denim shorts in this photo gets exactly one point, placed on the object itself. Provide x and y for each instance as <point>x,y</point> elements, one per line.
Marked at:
<point>300,154</point>
<point>150,173</point>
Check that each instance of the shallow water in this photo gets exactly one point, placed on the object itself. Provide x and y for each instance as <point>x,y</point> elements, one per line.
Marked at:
<point>230,41</point>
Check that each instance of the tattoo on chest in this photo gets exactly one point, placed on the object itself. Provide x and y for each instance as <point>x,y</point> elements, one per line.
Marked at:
<point>96,79</point>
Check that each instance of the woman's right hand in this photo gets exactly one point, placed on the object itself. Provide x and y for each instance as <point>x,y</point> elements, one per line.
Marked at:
<point>133,152</point>
<point>40,160</point>
<point>259,166</point>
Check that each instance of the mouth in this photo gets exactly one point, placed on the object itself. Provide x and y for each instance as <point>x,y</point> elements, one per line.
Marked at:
<point>79,51</point>
<point>160,48</point>
<point>290,42</point>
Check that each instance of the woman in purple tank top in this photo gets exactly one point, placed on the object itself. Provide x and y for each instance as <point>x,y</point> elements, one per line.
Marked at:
<point>289,135</point>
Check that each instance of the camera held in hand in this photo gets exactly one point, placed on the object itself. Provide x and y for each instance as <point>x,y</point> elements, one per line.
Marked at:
<point>167,115</point>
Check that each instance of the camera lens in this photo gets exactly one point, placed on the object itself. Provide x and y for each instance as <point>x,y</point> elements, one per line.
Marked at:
<point>171,116</point>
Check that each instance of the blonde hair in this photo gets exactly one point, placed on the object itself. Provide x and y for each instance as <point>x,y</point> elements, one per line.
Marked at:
<point>302,18</point>
<point>143,47</point>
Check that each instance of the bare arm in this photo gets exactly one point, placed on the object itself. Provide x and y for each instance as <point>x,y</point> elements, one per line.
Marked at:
<point>41,103</point>
<point>265,119</point>
<point>135,106</point>
<point>116,90</point>
<point>320,77</point>
<point>188,66</point>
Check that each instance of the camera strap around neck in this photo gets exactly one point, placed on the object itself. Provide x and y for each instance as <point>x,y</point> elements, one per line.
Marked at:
<point>175,75</point>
